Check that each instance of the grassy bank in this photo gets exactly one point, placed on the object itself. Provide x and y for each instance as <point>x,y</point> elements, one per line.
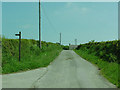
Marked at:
<point>105,56</point>
<point>31,56</point>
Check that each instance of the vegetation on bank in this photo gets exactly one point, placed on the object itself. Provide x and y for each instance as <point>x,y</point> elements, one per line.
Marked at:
<point>65,47</point>
<point>105,55</point>
<point>31,56</point>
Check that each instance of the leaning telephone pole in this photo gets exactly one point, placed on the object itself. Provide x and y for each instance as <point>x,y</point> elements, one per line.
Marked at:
<point>60,38</point>
<point>40,46</point>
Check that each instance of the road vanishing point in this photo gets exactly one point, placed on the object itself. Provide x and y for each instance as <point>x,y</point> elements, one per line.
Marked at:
<point>68,70</point>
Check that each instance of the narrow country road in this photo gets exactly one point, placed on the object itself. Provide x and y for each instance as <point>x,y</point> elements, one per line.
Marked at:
<point>68,70</point>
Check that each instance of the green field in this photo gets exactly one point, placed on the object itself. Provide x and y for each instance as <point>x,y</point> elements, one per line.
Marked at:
<point>105,55</point>
<point>31,56</point>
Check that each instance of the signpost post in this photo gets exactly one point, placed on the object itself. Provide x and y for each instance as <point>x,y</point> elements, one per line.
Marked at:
<point>19,44</point>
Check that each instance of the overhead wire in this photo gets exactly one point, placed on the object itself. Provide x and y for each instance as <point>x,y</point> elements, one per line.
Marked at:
<point>48,19</point>
<point>44,11</point>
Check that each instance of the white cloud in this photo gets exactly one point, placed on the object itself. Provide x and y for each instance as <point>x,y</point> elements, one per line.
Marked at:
<point>26,26</point>
<point>84,9</point>
<point>69,4</point>
<point>72,7</point>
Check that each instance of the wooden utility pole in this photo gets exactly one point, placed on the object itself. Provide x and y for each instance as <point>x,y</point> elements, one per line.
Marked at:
<point>40,46</point>
<point>60,38</point>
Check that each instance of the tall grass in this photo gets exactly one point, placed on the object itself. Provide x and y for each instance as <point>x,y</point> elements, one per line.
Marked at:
<point>31,56</point>
<point>105,55</point>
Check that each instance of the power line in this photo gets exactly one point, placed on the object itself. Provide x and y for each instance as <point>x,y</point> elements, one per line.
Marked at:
<point>44,11</point>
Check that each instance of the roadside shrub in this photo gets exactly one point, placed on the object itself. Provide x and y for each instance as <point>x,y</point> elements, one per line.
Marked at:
<point>66,47</point>
<point>108,51</point>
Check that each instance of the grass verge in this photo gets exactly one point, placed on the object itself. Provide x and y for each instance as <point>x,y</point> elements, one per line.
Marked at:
<point>107,69</point>
<point>31,56</point>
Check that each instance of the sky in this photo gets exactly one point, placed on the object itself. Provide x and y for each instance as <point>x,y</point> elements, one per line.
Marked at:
<point>60,0</point>
<point>0,17</point>
<point>83,21</point>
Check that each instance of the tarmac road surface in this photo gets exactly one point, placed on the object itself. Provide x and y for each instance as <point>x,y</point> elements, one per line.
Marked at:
<point>68,70</point>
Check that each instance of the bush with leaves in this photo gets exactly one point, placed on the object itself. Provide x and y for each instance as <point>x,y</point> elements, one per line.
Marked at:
<point>108,51</point>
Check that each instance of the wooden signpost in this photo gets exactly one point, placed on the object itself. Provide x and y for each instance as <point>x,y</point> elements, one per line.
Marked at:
<point>19,44</point>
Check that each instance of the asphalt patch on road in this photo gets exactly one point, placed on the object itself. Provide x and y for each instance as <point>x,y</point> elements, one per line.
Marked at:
<point>69,59</point>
